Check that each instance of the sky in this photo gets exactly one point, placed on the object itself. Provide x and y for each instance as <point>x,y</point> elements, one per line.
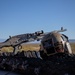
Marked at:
<point>28,16</point>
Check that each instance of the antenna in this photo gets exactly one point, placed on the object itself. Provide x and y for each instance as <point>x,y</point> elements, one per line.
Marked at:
<point>62,30</point>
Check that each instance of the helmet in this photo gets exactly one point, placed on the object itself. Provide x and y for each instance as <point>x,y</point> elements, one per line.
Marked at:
<point>55,42</point>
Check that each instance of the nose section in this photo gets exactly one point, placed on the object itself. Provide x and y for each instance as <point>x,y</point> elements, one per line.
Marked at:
<point>59,49</point>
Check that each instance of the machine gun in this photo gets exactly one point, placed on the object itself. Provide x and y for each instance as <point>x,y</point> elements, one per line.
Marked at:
<point>16,41</point>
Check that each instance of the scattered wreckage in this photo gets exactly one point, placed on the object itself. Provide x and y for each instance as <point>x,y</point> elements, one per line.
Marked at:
<point>54,57</point>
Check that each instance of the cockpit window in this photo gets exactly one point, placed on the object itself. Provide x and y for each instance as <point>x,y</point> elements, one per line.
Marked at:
<point>49,46</point>
<point>64,37</point>
<point>48,43</point>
